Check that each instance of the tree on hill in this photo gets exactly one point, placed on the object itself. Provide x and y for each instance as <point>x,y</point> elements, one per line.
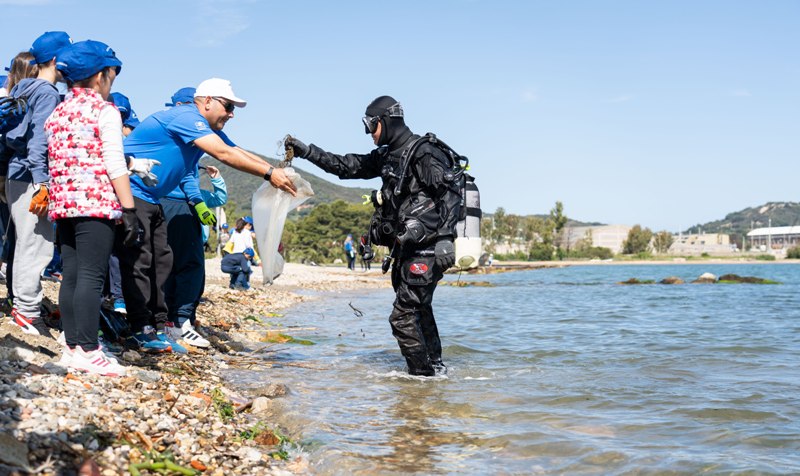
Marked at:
<point>638,240</point>
<point>662,241</point>
<point>319,236</point>
<point>559,220</point>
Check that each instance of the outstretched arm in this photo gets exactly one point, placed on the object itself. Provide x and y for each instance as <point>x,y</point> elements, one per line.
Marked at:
<point>244,161</point>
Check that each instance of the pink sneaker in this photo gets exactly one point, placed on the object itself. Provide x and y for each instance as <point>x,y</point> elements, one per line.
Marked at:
<point>96,362</point>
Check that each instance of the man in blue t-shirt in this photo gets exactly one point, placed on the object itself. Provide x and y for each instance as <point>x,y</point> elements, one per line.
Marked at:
<point>174,140</point>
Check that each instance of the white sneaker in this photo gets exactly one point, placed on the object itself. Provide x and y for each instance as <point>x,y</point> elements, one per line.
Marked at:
<point>173,332</point>
<point>96,362</point>
<point>67,354</point>
<point>191,337</point>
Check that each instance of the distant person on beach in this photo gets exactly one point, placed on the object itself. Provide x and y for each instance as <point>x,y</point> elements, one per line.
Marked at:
<point>365,263</point>
<point>350,253</point>
<point>238,266</point>
<point>176,138</point>
<point>422,243</point>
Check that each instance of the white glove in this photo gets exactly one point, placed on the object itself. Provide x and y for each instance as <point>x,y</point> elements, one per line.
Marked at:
<point>142,167</point>
<point>3,189</point>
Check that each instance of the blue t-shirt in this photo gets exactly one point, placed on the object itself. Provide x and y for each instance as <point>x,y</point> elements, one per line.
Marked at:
<point>168,136</point>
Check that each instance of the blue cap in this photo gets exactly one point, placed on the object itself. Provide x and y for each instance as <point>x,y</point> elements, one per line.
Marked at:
<point>133,120</point>
<point>86,58</point>
<point>249,251</point>
<point>47,46</point>
<point>129,117</point>
<point>248,219</point>
<point>224,226</point>
<point>123,104</point>
<point>183,95</point>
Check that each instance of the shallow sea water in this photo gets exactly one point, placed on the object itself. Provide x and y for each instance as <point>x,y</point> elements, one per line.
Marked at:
<point>557,371</point>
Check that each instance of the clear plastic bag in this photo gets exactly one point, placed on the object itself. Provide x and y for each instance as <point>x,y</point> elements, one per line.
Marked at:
<point>270,207</point>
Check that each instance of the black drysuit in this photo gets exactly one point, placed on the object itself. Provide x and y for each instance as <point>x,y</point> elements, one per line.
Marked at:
<point>427,192</point>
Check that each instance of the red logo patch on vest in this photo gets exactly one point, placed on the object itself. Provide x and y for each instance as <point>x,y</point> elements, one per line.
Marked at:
<point>418,268</point>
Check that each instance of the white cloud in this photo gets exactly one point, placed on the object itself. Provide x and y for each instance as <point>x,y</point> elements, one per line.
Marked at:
<point>620,98</point>
<point>218,20</point>
<point>740,93</point>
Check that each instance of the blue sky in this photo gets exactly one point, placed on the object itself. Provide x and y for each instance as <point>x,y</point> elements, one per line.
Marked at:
<point>665,114</point>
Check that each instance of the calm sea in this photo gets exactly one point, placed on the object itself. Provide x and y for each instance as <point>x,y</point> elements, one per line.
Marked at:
<point>558,371</point>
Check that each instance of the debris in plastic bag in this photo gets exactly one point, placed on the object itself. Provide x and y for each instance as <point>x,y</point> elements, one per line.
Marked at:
<point>270,207</point>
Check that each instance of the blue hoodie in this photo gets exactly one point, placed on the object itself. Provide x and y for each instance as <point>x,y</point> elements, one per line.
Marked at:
<point>27,143</point>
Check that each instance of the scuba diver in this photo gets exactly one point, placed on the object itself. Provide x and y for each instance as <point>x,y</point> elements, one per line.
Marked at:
<point>416,211</point>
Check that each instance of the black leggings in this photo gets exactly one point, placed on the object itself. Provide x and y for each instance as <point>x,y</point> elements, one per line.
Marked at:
<point>86,244</point>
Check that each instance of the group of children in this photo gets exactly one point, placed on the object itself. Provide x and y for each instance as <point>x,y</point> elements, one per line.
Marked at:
<point>65,163</point>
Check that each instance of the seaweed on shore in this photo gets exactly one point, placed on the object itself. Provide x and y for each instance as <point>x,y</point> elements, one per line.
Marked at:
<point>637,281</point>
<point>281,338</point>
<point>736,279</point>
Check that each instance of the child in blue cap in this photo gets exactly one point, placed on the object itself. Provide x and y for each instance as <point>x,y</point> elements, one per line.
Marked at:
<point>238,266</point>
<point>89,192</point>
<point>129,118</point>
<point>27,179</point>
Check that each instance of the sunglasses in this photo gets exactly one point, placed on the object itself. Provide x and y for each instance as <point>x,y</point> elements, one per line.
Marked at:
<point>229,106</point>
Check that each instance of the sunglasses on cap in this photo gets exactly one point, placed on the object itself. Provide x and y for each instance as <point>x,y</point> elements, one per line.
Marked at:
<point>229,106</point>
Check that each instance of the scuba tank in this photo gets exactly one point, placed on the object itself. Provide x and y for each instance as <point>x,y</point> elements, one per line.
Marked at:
<point>468,229</point>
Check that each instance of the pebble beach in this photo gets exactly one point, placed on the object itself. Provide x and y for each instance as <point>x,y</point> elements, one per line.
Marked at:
<point>172,413</point>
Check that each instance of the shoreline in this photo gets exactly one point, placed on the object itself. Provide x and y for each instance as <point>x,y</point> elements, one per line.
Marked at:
<point>54,422</point>
<point>505,266</point>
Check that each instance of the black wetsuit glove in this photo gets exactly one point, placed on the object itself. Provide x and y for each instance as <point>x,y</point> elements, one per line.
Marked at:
<point>299,148</point>
<point>131,227</point>
<point>445,254</point>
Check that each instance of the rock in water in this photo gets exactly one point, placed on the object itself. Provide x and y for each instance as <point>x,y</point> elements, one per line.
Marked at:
<point>672,280</point>
<point>705,278</point>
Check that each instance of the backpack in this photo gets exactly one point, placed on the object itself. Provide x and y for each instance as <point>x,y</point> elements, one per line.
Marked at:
<point>470,196</point>
<point>468,229</point>
<point>12,110</point>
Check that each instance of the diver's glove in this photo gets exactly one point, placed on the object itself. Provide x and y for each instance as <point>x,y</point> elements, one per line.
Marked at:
<point>445,253</point>
<point>205,214</point>
<point>132,228</point>
<point>142,168</point>
<point>298,147</point>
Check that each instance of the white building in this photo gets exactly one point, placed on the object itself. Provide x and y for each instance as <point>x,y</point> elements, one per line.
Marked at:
<point>603,236</point>
<point>774,238</point>
<point>697,244</point>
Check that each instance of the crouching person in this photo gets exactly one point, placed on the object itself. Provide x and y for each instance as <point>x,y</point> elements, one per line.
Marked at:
<point>238,266</point>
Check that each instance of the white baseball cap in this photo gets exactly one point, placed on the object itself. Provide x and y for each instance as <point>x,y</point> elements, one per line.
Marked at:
<point>217,87</point>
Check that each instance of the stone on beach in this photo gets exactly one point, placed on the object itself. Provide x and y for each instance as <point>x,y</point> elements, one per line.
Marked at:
<point>164,404</point>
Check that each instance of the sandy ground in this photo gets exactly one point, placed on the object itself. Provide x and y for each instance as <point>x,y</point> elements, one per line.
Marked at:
<point>305,276</point>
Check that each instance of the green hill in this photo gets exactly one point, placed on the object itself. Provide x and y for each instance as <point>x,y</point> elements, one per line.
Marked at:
<point>739,223</point>
<point>242,185</point>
